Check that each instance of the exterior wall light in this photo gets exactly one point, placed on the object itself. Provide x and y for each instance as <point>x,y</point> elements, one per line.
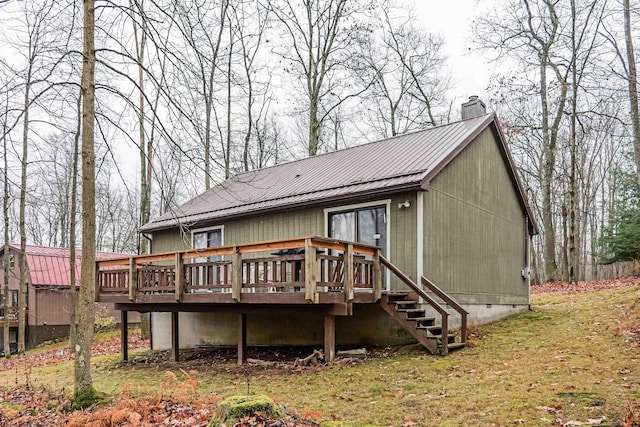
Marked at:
<point>404,204</point>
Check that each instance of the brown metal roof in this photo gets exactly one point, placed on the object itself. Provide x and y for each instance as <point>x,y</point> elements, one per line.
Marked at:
<point>50,266</point>
<point>402,162</point>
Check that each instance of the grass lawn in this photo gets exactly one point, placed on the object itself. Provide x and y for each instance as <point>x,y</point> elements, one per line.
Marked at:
<point>570,359</point>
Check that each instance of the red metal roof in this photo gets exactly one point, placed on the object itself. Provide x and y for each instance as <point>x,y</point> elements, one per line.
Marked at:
<point>399,163</point>
<point>50,266</point>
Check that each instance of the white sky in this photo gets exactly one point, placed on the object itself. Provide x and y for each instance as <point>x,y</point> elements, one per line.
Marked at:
<point>454,20</point>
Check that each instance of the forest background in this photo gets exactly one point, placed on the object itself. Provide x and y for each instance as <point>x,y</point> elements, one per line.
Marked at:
<point>190,92</point>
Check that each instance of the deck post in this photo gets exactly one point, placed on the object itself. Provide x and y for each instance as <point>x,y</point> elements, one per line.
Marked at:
<point>444,350</point>
<point>242,338</point>
<point>133,279</point>
<point>329,337</point>
<point>97,283</point>
<point>348,273</point>
<point>124,336</point>
<point>179,281</point>
<point>377,275</point>
<point>310,271</point>
<point>236,280</point>
<point>175,337</point>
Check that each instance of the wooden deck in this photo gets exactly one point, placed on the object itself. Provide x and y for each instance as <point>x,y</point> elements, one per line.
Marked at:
<point>306,274</point>
<point>306,270</point>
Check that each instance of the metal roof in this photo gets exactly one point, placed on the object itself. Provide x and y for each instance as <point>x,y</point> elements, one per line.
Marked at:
<point>403,162</point>
<point>50,266</point>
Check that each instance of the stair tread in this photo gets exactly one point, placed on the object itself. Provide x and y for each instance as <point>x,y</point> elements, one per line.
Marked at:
<point>439,336</point>
<point>410,310</point>
<point>407,302</point>
<point>454,346</point>
<point>423,319</point>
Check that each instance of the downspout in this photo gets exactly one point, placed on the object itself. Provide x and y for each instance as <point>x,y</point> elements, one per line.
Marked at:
<point>149,237</point>
<point>527,258</point>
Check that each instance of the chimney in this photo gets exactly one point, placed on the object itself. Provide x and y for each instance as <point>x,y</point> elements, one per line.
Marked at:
<point>473,108</point>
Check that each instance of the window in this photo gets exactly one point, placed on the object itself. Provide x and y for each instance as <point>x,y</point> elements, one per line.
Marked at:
<point>208,239</point>
<point>11,262</point>
<point>205,274</point>
<point>367,225</point>
<point>14,298</point>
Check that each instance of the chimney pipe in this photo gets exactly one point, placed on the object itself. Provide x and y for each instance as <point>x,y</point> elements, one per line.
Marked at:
<point>473,108</point>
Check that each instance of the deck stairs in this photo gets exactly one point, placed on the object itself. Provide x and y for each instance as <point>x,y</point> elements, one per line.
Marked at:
<point>405,308</point>
<point>410,308</point>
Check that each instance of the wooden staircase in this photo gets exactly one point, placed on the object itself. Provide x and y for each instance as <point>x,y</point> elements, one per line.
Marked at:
<point>407,309</point>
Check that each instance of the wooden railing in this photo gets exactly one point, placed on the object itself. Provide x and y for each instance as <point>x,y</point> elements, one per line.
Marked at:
<point>444,315</point>
<point>451,303</point>
<point>12,313</point>
<point>313,265</point>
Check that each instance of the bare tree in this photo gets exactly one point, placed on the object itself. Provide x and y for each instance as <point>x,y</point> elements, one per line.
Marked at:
<point>324,36</point>
<point>84,393</point>
<point>5,211</point>
<point>410,81</point>
<point>632,79</point>
<point>528,32</point>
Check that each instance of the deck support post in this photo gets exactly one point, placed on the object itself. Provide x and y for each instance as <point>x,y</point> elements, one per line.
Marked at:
<point>236,279</point>
<point>329,337</point>
<point>175,337</point>
<point>133,279</point>
<point>97,283</point>
<point>179,277</point>
<point>242,338</point>
<point>124,335</point>
<point>348,273</point>
<point>377,275</point>
<point>310,269</point>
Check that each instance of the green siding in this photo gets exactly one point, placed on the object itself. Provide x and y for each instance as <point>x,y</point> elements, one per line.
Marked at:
<point>404,240</point>
<point>309,222</point>
<point>474,228</point>
<point>170,240</point>
<point>280,225</point>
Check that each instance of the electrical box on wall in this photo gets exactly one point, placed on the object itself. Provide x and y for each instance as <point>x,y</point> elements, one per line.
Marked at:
<point>525,272</point>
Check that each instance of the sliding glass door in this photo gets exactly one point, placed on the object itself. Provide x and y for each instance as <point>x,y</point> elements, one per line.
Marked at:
<point>367,225</point>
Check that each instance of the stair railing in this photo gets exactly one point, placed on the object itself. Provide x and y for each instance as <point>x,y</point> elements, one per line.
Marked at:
<point>452,303</point>
<point>426,298</point>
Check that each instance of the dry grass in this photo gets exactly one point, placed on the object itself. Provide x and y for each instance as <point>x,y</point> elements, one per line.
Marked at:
<point>570,359</point>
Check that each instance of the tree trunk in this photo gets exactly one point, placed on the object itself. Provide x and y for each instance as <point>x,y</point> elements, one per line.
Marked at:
<point>314,127</point>
<point>633,85</point>
<point>84,394</point>
<point>73,291</point>
<point>22,293</point>
<point>7,256</point>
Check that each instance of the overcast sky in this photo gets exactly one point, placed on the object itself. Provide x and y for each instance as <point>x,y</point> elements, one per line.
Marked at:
<point>454,19</point>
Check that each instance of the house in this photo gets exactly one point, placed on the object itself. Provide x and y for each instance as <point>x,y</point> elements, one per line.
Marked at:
<point>383,243</point>
<point>48,299</point>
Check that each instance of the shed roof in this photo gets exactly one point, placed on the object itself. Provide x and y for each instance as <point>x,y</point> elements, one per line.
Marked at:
<point>50,266</point>
<point>402,162</point>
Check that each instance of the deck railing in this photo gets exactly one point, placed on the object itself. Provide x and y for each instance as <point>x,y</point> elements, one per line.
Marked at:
<point>309,265</point>
<point>427,299</point>
<point>12,314</point>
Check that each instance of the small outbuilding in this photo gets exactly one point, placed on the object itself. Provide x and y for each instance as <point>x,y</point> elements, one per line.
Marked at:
<point>48,298</point>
